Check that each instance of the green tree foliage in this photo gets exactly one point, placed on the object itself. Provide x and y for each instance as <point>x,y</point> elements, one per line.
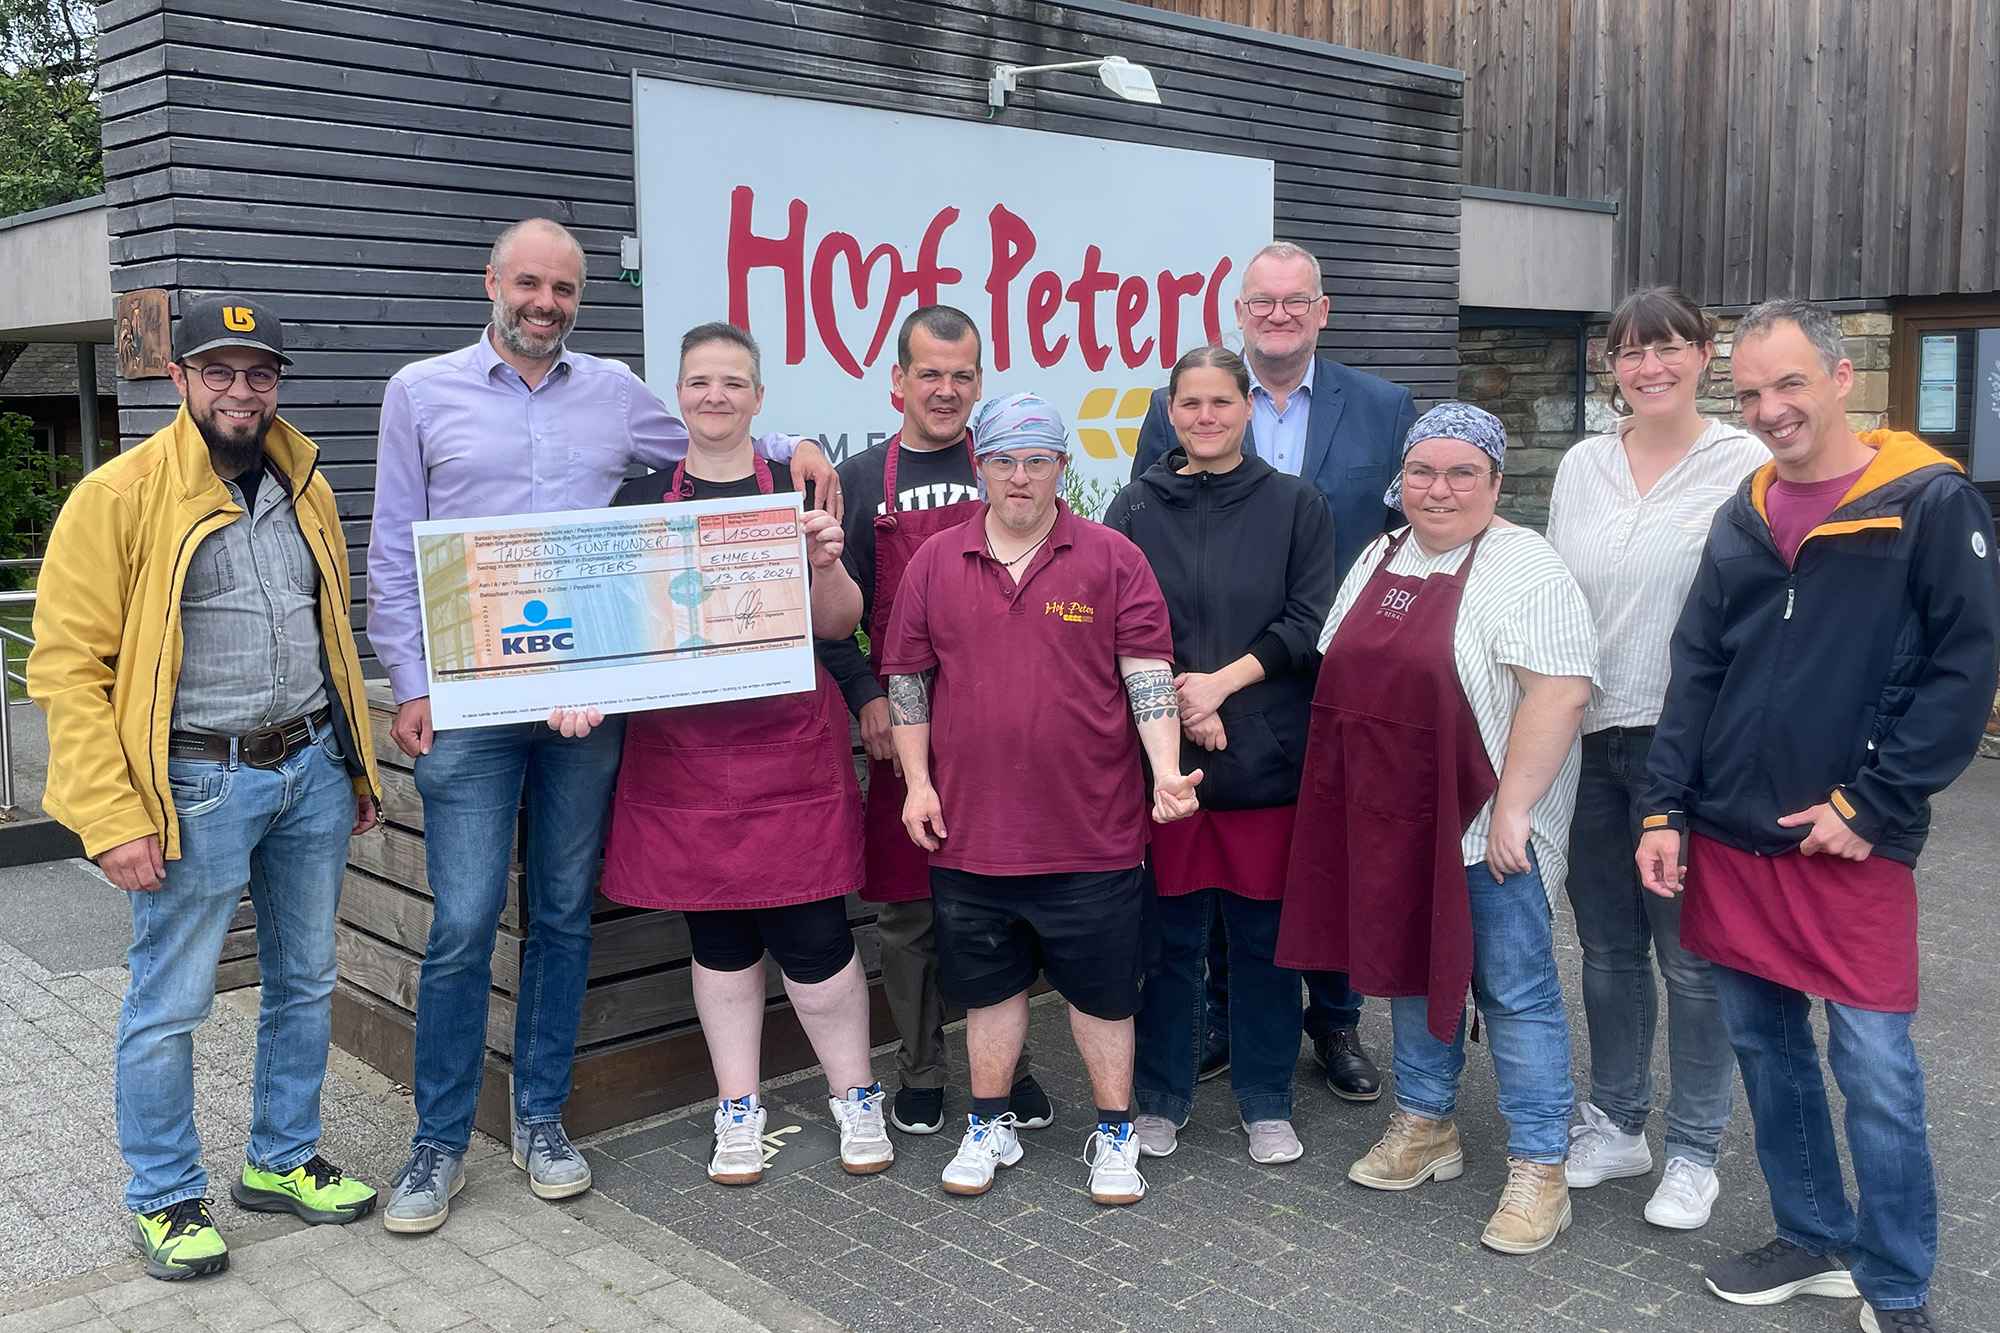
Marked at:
<point>33,486</point>
<point>51,149</point>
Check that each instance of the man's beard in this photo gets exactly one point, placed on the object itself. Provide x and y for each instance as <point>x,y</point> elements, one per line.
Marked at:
<point>518,340</point>
<point>233,454</point>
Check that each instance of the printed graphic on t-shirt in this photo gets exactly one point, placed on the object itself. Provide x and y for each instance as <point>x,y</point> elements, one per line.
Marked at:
<point>935,496</point>
<point>1077,613</point>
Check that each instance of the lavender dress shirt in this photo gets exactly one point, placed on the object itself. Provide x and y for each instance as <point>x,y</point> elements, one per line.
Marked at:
<point>463,436</point>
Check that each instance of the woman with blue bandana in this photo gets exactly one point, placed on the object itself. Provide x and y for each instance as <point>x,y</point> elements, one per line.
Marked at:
<point>1434,813</point>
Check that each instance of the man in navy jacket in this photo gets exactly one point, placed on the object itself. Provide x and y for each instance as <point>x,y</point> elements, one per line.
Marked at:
<point>1342,430</point>
<point>1832,669</point>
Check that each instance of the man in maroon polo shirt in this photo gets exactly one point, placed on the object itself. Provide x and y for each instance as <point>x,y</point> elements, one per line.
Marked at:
<point>1026,645</point>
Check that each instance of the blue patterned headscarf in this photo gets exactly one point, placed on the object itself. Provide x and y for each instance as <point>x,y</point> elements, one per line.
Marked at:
<point>1453,421</point>
<point>1017,421</point>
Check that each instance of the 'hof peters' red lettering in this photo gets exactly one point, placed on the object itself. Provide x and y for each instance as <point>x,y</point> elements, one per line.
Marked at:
<point>815,288</point>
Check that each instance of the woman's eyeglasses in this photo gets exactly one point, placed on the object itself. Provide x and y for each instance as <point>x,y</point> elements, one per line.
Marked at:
<point>1417,477</point>
<point>1668,354</point>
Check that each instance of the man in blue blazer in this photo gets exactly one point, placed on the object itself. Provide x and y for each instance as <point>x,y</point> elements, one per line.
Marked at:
<point>1342,430</point>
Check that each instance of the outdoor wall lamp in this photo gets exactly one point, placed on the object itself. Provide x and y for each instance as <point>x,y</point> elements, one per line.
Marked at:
<point>1132,82</point>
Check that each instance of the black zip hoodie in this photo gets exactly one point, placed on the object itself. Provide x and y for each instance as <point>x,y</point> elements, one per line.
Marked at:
<point>1246,560</point>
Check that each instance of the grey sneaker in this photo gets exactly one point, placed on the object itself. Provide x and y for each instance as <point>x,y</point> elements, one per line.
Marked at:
<point>555,1168</point>
<point>420,1194</point>
<point>1157,1135</point>
<point>1272,1142</point>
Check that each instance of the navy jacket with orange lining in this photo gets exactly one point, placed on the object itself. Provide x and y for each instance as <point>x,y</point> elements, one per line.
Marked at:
<point>1862,675</point>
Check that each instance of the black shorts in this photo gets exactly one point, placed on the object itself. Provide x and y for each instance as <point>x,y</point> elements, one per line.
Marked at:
<point>811,941</point>
<point>1085,931</point>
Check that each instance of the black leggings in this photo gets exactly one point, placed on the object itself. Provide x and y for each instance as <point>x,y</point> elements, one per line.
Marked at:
<point>811,941</point>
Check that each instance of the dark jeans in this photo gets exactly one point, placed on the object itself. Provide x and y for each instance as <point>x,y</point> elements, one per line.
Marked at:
<point>1892,1240</point>
<point>1264,1034</point>
<point>1623,929</point>
<point>1331,1004</point>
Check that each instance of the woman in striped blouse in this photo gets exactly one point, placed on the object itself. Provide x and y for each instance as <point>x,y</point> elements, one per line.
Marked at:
<point>1630,512</point>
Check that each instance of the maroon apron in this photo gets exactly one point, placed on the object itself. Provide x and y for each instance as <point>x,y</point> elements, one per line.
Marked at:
<point>899,871</point>
<point>744,804</point>
<point>1395,773</point>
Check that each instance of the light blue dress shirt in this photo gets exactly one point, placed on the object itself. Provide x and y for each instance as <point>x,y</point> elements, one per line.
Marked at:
<point>1281,436</point>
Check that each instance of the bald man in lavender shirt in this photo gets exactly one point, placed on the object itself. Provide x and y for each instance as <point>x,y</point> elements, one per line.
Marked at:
<point>516,423</point>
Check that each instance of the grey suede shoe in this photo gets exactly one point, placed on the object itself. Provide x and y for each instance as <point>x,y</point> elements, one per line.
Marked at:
<point>1157,1135</point>
<point>420,1194</point>
<point>555,1168</point>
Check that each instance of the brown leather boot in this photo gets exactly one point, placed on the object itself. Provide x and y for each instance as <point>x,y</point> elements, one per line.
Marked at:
<point>1533,1208</point>
<point>1413,1149</point>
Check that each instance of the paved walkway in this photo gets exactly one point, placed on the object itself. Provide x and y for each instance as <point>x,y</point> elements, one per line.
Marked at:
<point>1219,1244</point>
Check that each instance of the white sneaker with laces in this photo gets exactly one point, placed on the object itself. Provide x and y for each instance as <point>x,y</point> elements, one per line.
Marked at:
<point>739,1143</point>
<point>1600,1151</point>
<point>864,1138</point>
<point>1113,1155</point>
<point>987,1146</point>
<point>1686,1195</point>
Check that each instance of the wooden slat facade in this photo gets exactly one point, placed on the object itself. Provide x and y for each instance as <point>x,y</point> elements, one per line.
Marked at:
<point>349,161</point>
<point>1832,149</point>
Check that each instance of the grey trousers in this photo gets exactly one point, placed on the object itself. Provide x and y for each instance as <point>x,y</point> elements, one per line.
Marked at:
<point>910,984</point>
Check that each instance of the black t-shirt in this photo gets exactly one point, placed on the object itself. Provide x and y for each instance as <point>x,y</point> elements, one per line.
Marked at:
<point>652,488</point>
<point>925,479</point>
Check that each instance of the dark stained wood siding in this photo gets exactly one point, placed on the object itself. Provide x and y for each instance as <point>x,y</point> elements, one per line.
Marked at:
<point>1833,149</point>
<point>350,161</point>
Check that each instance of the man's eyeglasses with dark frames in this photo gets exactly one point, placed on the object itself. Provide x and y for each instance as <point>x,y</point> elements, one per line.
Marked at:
<point>221,379</point>
<point>1295,306</point>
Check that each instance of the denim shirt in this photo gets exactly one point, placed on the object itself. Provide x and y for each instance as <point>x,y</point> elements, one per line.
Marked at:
<point>250,650</point>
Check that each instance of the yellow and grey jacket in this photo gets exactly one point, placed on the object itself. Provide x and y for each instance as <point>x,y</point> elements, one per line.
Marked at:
<point>107,650</point>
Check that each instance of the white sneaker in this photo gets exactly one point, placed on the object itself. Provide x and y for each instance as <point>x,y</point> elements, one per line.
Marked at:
<point>987,1146</point>
<point>1157,1135</point>
<point>864,1139</point>
<point>1114,1165</point>
<point>1600,1151</point>
<point>739,1143</point>
<point>1685,1197</point>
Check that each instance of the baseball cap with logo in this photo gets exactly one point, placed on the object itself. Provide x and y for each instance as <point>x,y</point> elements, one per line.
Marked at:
<point>228,321</point>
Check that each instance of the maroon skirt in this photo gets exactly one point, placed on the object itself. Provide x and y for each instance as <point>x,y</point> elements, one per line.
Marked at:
<point>1243,851</point>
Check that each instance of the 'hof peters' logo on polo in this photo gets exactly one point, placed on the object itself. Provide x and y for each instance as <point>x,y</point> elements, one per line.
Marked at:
<point>537,633</point>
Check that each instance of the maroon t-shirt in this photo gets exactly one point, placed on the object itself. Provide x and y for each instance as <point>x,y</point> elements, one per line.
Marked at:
<point>1797,507</point>
<point>1034,753</point>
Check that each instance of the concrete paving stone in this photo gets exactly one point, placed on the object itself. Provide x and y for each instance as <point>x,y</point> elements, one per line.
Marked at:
<point>319,1306</point>
<point>1066,1234</point>
<point>725,1239</point>
<point>806,1237</point>
<point>534,1269</point>
<point>882,1232</point>
<point>956,1312</point>
<point>604,1311</point>
<point>855,1306</point>
<point>156,1314</point>
<point>692,1310</point>
<point>1167,1279</point>
<point>887,1276</point>
<point>969,1271</point>
<point>1049,1311</point>
<point>545,1224</point>
<point>360,1269</point>
<point>1058,1272</point>
<point>61,1315</point>
<point>506,1308</point>
<point>414,1306</point>
<point>473,1231</point>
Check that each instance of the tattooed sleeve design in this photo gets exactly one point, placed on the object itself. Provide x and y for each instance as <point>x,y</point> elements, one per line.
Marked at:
<point>1152,695</point>
<point>910,699</point>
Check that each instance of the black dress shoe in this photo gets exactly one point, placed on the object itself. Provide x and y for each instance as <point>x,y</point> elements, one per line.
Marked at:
<point>1031,1106</point>
<point>918,1110</point>
<point>1350,1074</point>
<point>1214,1056</point>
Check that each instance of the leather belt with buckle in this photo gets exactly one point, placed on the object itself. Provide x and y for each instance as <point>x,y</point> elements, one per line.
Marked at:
<point>266,747</point>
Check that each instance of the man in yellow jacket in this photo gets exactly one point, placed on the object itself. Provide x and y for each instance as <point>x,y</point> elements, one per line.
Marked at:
<point>207,735</point>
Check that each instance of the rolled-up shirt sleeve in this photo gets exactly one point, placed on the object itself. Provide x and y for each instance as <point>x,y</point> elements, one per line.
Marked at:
<point>395,622</point>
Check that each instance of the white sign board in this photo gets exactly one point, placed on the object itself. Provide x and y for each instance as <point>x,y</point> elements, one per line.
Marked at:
<point>1089,265</point>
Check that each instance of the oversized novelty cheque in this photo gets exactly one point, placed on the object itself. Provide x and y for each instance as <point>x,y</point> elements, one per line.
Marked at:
<point>651,606</point>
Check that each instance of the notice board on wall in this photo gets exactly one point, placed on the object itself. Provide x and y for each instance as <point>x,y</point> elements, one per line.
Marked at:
<point>1088,264</point>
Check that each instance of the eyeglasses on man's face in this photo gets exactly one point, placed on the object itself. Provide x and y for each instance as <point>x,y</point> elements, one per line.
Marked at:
<point>1295,306</point>
<point>1039,467</point>
<point>1462,478</point>
<point>221,379</point>
<point>1667,354</point>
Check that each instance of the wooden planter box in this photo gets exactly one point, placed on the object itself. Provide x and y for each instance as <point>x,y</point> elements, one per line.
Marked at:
<point>639,1047</point>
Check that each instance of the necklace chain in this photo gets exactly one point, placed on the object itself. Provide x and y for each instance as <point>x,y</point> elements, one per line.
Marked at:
<point>1009,564</point>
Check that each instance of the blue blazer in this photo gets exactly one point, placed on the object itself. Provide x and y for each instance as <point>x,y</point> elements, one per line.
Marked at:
<point>1354,444</point>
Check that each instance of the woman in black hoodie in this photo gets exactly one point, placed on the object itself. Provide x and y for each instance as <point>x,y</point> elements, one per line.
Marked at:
<point>1244,554</point>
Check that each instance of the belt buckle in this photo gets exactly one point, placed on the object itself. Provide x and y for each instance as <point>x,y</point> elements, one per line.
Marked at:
<point>263,748</point>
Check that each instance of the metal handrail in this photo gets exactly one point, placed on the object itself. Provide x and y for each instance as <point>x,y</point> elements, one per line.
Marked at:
<point>9,636</point>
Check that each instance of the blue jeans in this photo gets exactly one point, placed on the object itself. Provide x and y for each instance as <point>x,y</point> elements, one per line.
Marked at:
<point>1893,1238</point>
<point>1264,1032</point>
<point>1331,1004</point>
<point>1623,929</point>
<point>282,833</point>
<point>1515,985</point>
<point>472,783</point>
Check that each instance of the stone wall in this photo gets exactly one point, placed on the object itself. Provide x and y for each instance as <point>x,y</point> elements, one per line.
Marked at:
<point>1527,378</point>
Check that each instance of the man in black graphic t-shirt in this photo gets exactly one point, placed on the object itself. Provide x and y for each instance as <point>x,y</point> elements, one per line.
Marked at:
<point>937,376</point>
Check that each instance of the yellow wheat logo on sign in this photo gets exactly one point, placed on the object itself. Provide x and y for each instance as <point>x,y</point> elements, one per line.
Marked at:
<point>1099,404</point>
<point>238,318</point>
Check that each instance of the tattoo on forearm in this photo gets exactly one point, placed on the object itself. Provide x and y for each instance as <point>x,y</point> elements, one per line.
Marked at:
<point>910,699</point>
<point>1152,694</point>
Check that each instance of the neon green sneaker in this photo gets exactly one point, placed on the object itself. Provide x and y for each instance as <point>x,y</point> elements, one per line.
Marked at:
<point>180,1241</point>
<point>315,1191</point>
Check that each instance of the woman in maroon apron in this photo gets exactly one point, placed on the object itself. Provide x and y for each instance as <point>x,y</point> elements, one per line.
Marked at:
<point>1434,813</point>
<point>1245,556</point>
<point>746,815</point>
